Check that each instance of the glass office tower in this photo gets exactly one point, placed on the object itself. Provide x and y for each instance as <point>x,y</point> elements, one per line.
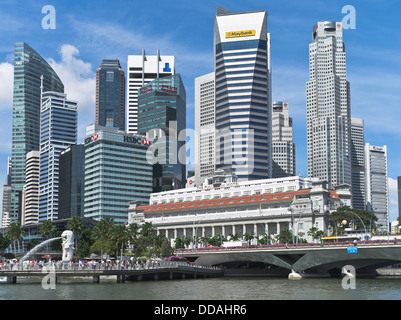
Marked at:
<point>29,66</point>
<point>162,117</point>
<point>58,130</point>
<point>243,98</point>
<point>110,94</point>
<point>116,173</point>
<point>71,182</point>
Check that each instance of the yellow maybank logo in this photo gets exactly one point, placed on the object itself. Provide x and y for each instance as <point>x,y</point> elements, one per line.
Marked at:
<point>244,33</point>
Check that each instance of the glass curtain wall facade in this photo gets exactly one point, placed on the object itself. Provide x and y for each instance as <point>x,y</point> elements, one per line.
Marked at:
<point>116,173</point>
<point>58,130</point>
<point>28,68</point>
<point>110,94</point>
<point>377,183</point>
<point>71,182</point>
<point>162,117</point>
<point>243,99</point>
<point>142,69</point>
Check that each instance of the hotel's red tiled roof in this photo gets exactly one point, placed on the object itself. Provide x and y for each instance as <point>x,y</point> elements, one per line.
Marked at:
<point>260,198</point>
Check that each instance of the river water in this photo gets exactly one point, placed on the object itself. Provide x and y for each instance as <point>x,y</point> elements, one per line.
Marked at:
<point>209,289</point>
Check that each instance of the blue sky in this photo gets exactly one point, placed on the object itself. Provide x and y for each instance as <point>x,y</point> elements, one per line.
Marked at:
<point>87,32</point>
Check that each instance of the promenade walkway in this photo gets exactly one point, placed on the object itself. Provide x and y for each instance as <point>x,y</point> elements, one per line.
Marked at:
<point>123,271</point>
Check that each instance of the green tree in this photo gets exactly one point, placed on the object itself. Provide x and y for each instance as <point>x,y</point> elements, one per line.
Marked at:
<point>351,215</point>
<point>47,229</point>
<point>248,236</point>
<point>285,236</point>
<point>4,243</point>
<point>119,237</point>
<point>15,232</point>
<point>315,233</point>
<point>85,243</point>
<point>182,242</point>
<point>101,234</point>
<point>75,225</point>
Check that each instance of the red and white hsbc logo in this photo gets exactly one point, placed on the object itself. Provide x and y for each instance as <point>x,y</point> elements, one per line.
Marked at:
<point>146,142</point>
<point>136,140</point>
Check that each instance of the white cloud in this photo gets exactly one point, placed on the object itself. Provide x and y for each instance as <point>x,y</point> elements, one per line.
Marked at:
<point>79,84</point>
<point>6,87</point>
<point>393,198</point>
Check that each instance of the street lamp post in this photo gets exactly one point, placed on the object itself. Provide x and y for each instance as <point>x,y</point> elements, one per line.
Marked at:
<point>359,220</point>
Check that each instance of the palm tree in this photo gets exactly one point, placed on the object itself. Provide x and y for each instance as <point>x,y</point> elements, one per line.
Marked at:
<point>47,229</point>
<point>101,232</point>
<point>15,232</point>
<point>75,225</point>
<point>119,236</point>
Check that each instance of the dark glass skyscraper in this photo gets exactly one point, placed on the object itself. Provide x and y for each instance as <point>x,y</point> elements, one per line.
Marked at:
<point>110,95</point>
<point>29,66</point>
<point>71,182</point>
<point>162,116</point>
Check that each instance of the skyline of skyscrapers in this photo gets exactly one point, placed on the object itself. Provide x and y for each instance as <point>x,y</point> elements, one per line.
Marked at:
<point>110,94</point>
<point>231,99</point>
<point>328,109</point>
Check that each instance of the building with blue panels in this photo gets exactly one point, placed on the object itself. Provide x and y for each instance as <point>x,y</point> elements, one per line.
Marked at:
<point>116,173</point>
<point>110,94</point>
<point>162,117</point>
<point>58,130</point>
<point>29,66</point>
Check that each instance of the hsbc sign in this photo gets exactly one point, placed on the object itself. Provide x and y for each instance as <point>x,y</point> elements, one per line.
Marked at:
<point>129,139</point>
<point>137,140</point>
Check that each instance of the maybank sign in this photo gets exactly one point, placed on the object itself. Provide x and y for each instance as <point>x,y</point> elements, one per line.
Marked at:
<point>244,33</point>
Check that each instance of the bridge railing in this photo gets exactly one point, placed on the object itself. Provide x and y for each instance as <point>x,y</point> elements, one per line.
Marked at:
<point>93,265</point>
<point>292,246</point>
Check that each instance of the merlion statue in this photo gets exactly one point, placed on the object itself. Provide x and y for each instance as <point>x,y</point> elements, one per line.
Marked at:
<point>68,245</point>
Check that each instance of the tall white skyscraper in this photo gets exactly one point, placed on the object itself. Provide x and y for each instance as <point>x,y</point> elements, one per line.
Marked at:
<point>243,93</point>
<point>205,127</point>
<point>141,69</point>
<point>328,106</point>
<point>358,163</point>
<point>30,193</point>
<point>377,183</point>
<point>58,130</point>
<point>283,148</point>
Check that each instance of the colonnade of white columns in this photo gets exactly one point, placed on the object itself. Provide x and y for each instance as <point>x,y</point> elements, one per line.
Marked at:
<point>208,230</point>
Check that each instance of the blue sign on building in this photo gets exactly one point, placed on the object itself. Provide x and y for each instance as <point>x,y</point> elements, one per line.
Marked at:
<point>352,250</point>
<point>167,67</point>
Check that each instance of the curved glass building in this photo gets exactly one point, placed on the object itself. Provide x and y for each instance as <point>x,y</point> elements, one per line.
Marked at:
<point>29,66</point>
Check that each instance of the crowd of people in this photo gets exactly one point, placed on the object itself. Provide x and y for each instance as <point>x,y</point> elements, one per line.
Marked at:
<point>83,264</point>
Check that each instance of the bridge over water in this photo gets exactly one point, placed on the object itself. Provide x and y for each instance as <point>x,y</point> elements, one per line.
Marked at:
<point>305,259</point>
<point>168,270</point>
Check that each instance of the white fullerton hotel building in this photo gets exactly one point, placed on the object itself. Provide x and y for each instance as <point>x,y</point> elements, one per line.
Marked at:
<point>224,206</point>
